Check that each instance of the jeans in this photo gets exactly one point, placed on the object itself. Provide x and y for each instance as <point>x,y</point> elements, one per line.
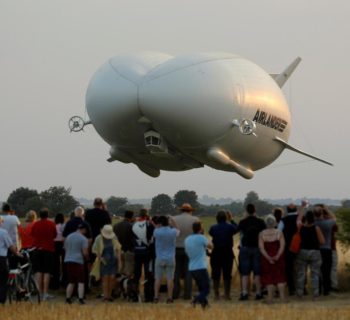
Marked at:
<point>326,268</point>
<point>304,259</point>
<point>201,278</point>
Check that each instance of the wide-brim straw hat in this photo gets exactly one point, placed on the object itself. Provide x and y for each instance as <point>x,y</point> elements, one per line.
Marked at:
<point>107,232</point>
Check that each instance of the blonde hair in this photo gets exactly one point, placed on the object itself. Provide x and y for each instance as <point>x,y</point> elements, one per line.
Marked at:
<point>31,216</point>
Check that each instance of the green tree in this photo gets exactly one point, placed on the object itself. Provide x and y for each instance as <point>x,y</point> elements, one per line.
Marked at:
<point>262,207</point>
<point>343,221</point>
<point>186,196</point>
<point>58,199</point>
<point>251,197</point>
<point>345,203</point>
<point>21,200</point>
<point>162,204</point>
<point>116,205</point>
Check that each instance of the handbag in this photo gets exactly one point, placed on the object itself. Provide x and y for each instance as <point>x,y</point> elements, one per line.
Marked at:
<point>295,243</point>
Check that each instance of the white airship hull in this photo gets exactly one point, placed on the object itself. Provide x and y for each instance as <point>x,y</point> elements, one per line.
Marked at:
<point>178,113</point>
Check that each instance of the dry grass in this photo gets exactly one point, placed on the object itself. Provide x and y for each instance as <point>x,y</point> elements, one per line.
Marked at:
<point>256,311</point>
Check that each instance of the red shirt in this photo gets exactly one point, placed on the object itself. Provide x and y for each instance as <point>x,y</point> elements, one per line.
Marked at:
<point>43,233</point>
<point>25,232</point>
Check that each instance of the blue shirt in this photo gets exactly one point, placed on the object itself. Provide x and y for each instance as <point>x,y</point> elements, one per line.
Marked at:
<point>74,245</point>
<point>5,242</point>
<point>195,247</point>
<point>165,242</point>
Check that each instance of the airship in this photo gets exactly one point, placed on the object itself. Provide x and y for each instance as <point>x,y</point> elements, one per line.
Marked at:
<point>176,113</point>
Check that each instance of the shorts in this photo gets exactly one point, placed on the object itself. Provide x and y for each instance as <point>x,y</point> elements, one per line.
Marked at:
<point>249,261</point>
<point>164,266</point>
<point>75,272</point>
<point>43,261</point>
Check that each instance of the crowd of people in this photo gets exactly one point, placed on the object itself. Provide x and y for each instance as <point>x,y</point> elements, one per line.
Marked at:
<point>143,256</point>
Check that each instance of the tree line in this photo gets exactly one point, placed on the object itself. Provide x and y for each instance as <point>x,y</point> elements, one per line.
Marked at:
<point>59,199</point>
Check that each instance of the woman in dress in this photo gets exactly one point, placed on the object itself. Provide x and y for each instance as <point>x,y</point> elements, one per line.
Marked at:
<point>107,250</point>
<point>271,245</point>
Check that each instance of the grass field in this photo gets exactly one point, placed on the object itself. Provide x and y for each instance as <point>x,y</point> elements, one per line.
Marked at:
<point>321,310</point>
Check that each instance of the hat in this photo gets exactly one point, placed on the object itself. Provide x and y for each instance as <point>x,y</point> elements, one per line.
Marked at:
<point>186,207</point>
<point>107,231</point>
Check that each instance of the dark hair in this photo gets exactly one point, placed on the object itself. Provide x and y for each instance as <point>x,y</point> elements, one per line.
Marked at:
<point>277,212</point>
<point>163,221</point>
<point>59,218</point>
<point>128,214</point>
<point>155,219</point>
<point>98,202</point>
<point>319,210</point>
<point>196,227</point>
<point>250,208</point>
<point>221,216</point>
<point>44,213</point>
<point>6,207</point>
<point>291,208</point>
<point>309,217</point>
<point>143,213</point>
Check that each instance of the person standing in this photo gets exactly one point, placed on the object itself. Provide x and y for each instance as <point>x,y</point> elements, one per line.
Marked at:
<point>271,245</point>
<point>25,230</point>
<point>107,250</point>
<point>97,217</point>
<point>326,221</point>
<point>76,252</point>
<point>165,240</point>
<point>222,256</point>
<point>196,245</point>
<point>11,224</point>
<point>249,254</point>
<point>288,225</point>
<point>184,222</point>
<point>43,233</point>
<point>125,235</point>
<point>59,253</point>
<point>6,246</point>
<point>143,234</point>
<point>309,254</point>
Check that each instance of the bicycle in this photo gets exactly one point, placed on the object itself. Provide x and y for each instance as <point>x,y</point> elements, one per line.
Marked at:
<point>21,285</point>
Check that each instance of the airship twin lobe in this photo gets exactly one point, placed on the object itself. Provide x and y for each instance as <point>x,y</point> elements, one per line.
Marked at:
<point>179,113</point>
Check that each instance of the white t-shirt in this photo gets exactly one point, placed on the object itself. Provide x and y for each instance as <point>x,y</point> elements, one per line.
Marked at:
<point>11,223</point>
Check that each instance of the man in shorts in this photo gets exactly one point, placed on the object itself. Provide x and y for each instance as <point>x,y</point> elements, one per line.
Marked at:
<point>249,254</point>
<point>165,242</point>
<point>43,233</point>
<point>76,248</point>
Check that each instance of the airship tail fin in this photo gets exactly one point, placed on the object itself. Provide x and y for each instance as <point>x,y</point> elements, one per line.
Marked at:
<point>288,146</point>
<point>284,76</point>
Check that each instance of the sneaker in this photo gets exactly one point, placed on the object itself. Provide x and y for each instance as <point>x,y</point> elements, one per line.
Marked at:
<point>155,300</point>
<point>243,297</point>
<point>81,301</point>
<point>47,296</point>
<point>69,300</point>
<point>259,296</point>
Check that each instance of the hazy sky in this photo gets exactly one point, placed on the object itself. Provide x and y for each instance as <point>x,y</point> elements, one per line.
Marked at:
<point>50,49</point>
